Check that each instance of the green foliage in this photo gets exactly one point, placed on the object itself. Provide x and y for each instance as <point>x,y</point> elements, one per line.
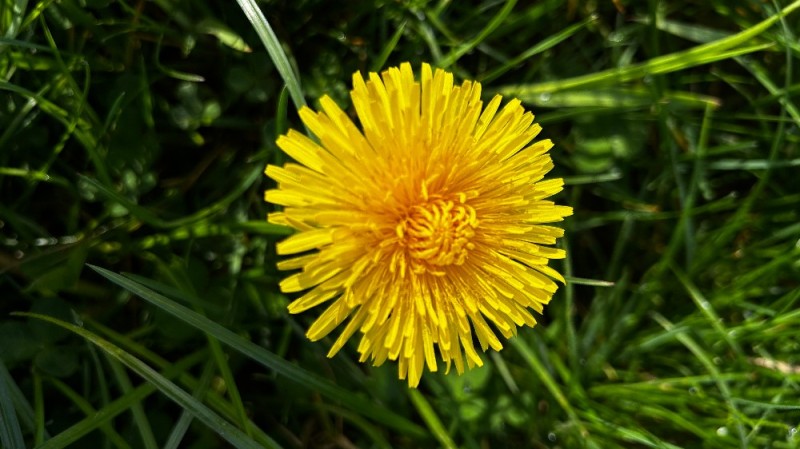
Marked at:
<point>133,136</point>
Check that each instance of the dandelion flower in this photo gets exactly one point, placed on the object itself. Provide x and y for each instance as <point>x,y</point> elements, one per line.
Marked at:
<point>423,228</point>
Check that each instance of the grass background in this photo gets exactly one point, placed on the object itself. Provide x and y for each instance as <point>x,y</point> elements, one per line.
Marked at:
<point>139,304</point>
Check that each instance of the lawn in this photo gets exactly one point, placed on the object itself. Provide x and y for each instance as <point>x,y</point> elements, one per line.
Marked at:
<point>140,299</point>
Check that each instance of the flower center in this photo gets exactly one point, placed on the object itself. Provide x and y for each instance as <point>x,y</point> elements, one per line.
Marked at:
<point>437,234</point>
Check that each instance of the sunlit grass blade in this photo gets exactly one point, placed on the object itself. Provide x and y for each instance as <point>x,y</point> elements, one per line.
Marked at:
<point>221,359</point>
<point>751,164</point>
<point>275,50</point>
<point>32,175</point>
<point>266,358</point>
<point>16,43</point>
<point>618,98</point>
<point>179,369</point>
<point>656,66</point>
<point>612,175</point>
<point>13,13</point>
<point>10,432</point>
<point>176,293</point>
<point>590,282</point>
<point>225,35</point>
<point>703,54</point>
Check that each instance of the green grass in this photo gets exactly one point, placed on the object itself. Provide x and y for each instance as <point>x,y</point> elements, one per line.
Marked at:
<point>139,305</point>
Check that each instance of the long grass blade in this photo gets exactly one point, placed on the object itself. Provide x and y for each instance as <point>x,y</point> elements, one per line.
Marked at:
<point>102,416</point>
<point>274,48</point>
<point>702,54</point>
<point>266,358</point>
<point>179,430</point>
<point>10,432</point>
<point>541,372</point>
<point>542,46</point>
<point>82,404</point>
<point>431,419</point>
<point>214,422</point>
<point>656,66</point>
<point>703,357</point>
<point>388,48</point>
<point>13,16</point>
<point>152,219</point>
<point>139,415</point>
<point>462,49</point>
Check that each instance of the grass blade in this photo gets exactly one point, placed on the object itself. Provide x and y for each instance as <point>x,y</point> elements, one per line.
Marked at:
<point>616,98</point>
<point>701,54</point>
<point>12,17</point>
<point>214,422</point>
<point>656,66</point>
<point>541,372</point>
<point>180,428</point>
<point>152,219</point>
<point>266,358</point>
<point>589,282</point>
<point>707,309</point>
<point>139,416</point>
<point>388,48</point>
<point>706,361</point>
<point>10,432</point>
<point>542,46</point>
<point>26,414</point>
<point>274,48</point>
<point>462,49</point>
<point>83,405</point>
<point>101,417</point>
<point>431,419</point>
<point>66,118</point>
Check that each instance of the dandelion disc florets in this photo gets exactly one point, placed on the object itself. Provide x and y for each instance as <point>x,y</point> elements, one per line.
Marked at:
<point>424,227</point>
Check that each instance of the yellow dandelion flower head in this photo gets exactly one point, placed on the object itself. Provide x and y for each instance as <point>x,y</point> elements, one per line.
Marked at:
<point>423,226</point>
